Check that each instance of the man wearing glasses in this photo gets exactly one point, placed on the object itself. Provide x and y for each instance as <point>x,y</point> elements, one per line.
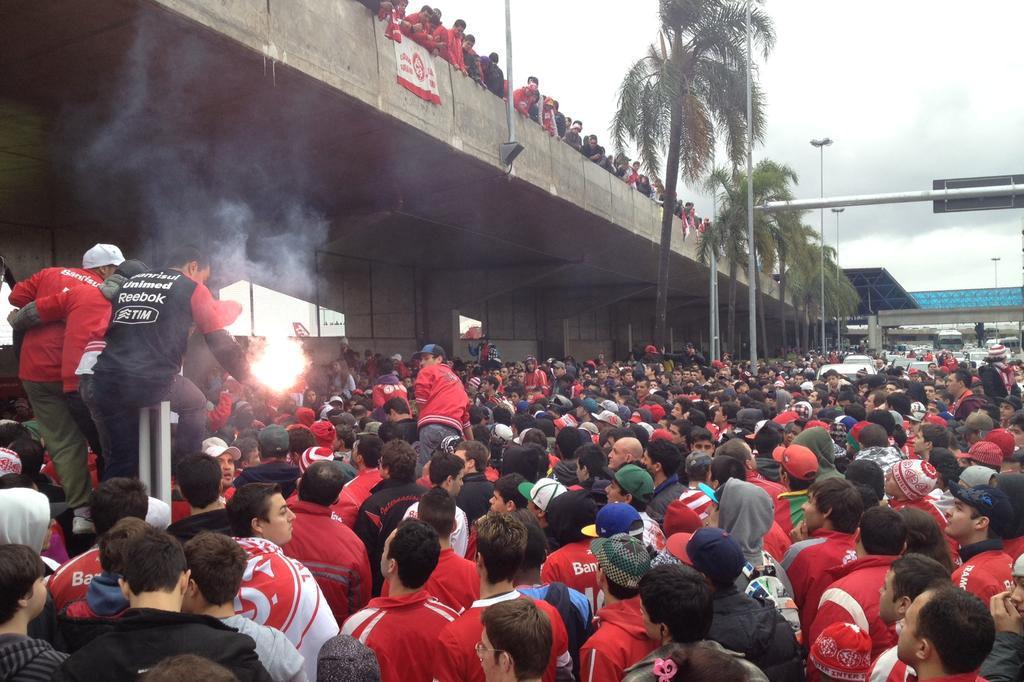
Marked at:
<point>515,643</point>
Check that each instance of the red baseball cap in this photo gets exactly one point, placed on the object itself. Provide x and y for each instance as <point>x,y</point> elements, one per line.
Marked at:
<point>936,419</point>
<point>650,348</point>
<point>680,518</point>
<point>786,417</point>
<point>1004,439</point>
<point>676,546</point>
<point>984,452</point>
<point>857,428</point>
<point>657,412</point>
<point>660,434</point>
<point>798,461</point>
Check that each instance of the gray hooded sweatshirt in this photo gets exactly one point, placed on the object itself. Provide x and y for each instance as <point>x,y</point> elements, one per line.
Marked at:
<point>747,513</point>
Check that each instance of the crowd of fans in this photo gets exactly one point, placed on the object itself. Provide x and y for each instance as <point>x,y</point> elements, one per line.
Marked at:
<point>458,48</point>
<point>660,517</point>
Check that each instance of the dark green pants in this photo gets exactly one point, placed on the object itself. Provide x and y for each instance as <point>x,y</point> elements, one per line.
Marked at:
<point>63,440</point>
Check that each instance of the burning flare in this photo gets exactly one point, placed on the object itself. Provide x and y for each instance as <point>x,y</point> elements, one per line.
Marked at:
<point>278,363</point>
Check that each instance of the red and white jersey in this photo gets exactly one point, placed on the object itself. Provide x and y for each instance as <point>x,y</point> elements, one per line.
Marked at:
<point>71,581</point>
<point>576,566</point>
<point>654,536</point>
<point>698,502</point>
<point>402,632</point>
<point>889,668</point>
<point>280,592</point>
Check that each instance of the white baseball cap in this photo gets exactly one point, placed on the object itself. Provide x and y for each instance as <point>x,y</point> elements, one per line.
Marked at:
<point>542,492</point>
<point>215,447</point>
<point>100,255</point>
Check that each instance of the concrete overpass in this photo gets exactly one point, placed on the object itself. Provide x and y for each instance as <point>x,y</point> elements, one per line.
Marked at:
<point>275,132</point>
<point>959,316</point>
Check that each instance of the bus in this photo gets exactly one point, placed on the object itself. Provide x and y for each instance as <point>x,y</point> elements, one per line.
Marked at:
<point>1012,344</point>
<point>949,339</point>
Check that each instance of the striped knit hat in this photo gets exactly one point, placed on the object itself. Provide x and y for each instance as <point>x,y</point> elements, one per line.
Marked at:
<point>316,454</point>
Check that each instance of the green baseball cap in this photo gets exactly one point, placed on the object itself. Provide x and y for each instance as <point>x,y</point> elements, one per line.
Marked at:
<point>635,481</point>
<point>623,558</point>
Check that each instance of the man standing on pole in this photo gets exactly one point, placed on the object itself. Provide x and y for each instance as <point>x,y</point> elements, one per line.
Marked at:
<point>40,373</point>
<point>443,403</point>
<point>153,316</point>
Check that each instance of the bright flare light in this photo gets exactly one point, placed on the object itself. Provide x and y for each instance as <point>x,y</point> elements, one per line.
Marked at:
<point>278,363</point>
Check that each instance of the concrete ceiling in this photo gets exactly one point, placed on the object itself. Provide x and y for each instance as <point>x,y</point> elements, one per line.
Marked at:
<point>190,116</point>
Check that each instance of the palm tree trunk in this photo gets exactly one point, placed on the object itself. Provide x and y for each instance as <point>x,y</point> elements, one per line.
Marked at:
<point>782,297</point>
<point>668,208</point>
<point>733,346</point>
<point>764,324</point>
<point>760,306</point>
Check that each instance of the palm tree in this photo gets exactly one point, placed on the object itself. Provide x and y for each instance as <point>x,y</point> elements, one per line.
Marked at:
<point>772,182</point>
<point>690,88</point>
<point>841,297</point>
<point>792,235</point>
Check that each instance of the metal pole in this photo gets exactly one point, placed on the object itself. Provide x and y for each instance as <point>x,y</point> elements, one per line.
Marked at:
<point>839,328</point>
<point>713,303</point>
<point>894,198</point>
<point>509,106</point>
<point>751,268</point>
<point>821,225</point>
<point>995,271</point>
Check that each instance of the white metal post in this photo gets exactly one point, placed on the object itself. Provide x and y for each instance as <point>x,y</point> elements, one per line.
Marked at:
<point>751,267</point>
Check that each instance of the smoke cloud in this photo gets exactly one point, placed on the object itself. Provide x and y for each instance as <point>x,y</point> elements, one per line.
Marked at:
<point>228,175</point>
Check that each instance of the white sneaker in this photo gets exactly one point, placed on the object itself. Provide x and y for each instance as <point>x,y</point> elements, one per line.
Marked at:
<point>82,526</point>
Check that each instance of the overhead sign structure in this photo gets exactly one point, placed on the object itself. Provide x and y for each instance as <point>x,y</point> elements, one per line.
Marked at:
<point>987,203</point>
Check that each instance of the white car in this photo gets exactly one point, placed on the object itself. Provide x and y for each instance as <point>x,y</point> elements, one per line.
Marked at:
<point>858,360</point>
<point>848,370</point>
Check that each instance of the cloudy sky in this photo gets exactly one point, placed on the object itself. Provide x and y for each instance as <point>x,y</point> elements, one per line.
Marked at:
<point>910,91</point>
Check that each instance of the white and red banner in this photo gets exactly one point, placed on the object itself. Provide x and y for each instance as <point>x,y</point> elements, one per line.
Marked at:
<point>416,70</point>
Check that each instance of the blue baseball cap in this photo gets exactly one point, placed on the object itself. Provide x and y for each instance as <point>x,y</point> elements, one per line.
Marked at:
<point>716,554</point>
<point>988,501</point>
<point>431,349</point>
<point>613,519</point>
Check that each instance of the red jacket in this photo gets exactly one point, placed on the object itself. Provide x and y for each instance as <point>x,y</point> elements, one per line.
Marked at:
<point>853,597</point>
<point>85,312</point>
<point>456,659</point>
<point>354,494</point>
<point>454,582</point>
<point>523,98</point>
<point>221,412</point>
<point>384,391</point>
<point>402,632</point>
<point>333,554</point>
<point>777,542</point>
<point>620,641</point>
<point>42,350</point>
<point>806,563</point>
<point>771,487</point>
<point>442,398</point>
<point>536,378</point>
<point>985,574</point>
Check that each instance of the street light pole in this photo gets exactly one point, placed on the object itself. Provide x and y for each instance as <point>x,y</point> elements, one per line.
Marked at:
<point>509,105</point>
<point>751,266</point>
<point>839,328</point>
<point>821,144</point>
<point>995,268</point>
